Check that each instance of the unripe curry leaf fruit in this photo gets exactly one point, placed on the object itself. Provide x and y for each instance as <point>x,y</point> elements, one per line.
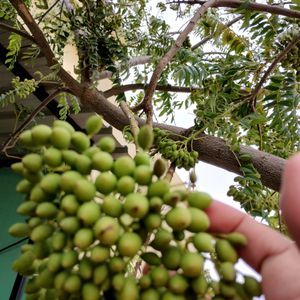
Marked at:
<point>106,182</point>
<point>199,200</point>
<point>107,144</point>
<point>32,162</point>
<point>161,239</point>
<point>50,183</point>
<point>65,125</point>
<point>178,284</point>
<point>69,204</point>
<point>83,238</point>
<point>41,134</point>
<point>124,165</point>
<point>68,180</point>
<point>200,221</point>
<point>160,167</point>
<point>72,284</point>
<point>142,174</point>
<point>26,208</point>
<point>159,276</point>
<point>125,185</point>
<point>117,264</point>
<point>88,213</point>
<point>25,139</point>
<point>236,238</point>
<point>23,263</point>
<point>86,267</point>
<point>46,210</point>
<point>150,294</point>
<point>24,186</point>
<point>171,257</point>
<point>136,205</point>
<point>20,230</point>
<point>145,137</point>
<point>102,161</point>
<point>129,244</point>
<point>107,230</point>
<point>84,190</point>
<point>192,264</point>
<point>60,138</point>
<point>93,124</point>
<point>179,218</point>
<point>142,158</point>
<point>203,242</point>
<point>41,232</point>
<point>225,251</point>
<point>158,188</point>
<point>99,254</point>
<point>80,141</point>
<point>52,157</point>
<point>252,286</point>
<point>227,271</point>
<point>111,206</point>
<point>90,291</point>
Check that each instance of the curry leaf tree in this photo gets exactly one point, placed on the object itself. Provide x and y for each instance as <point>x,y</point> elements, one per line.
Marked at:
<point>236,62</point>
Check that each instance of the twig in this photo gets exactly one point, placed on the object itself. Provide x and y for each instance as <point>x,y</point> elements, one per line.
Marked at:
<point>135,61</point>
<point>146,104</point>
<point>139,86</point>
<point>279,57</point>
<point>13,137</point>
<point>47,12</point>
<point>132,121</point>
<point>17,31</point>
<point>170,172</point>
<point>272,9</point>
<point>206,39</point>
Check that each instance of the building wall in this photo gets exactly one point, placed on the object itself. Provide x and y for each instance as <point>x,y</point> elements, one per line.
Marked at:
<point>9,201</point>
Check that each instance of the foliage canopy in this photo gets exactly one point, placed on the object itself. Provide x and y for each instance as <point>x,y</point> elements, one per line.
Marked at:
<point>235,62</point>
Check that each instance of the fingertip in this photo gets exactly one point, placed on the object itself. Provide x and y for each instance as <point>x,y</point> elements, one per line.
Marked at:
<point>290,196</point>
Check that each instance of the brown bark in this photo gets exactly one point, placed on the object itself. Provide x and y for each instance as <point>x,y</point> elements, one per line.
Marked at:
<point>211,149</point>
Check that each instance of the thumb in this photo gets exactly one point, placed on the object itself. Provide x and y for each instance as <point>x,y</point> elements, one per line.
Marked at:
<point>290,196</point>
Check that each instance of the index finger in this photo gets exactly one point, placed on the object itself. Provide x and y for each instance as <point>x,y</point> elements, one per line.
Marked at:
<point>263,242</point>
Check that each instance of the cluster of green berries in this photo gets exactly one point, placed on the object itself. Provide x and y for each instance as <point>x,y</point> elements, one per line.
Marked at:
<point>89,216</point>
<point>176,152</point>
<point>291,59</point>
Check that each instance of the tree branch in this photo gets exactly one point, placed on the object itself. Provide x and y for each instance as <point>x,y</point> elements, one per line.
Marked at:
<point>272,9</point>
<point>139,86</point>
<point>13,137</point>
<point>22,33</point>
<point>206,39</point>
<point>132,121</point>
<point>212,150</point>
<point>135,61</point>
<point>41,41</point>
<point>271,68</point>
<point>147,101</point>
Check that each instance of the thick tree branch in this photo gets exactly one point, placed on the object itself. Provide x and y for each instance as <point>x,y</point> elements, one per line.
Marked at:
<point>272,9</point>
<point>270,69</point>
<point>22,33</point>
<point>13,137</point>
<point>139,86</point>
<point>211,149</point>
<point>206,39</point>
<point>147,101</point>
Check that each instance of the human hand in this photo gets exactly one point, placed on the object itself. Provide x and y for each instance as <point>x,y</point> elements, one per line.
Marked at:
<point>271,254</point>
